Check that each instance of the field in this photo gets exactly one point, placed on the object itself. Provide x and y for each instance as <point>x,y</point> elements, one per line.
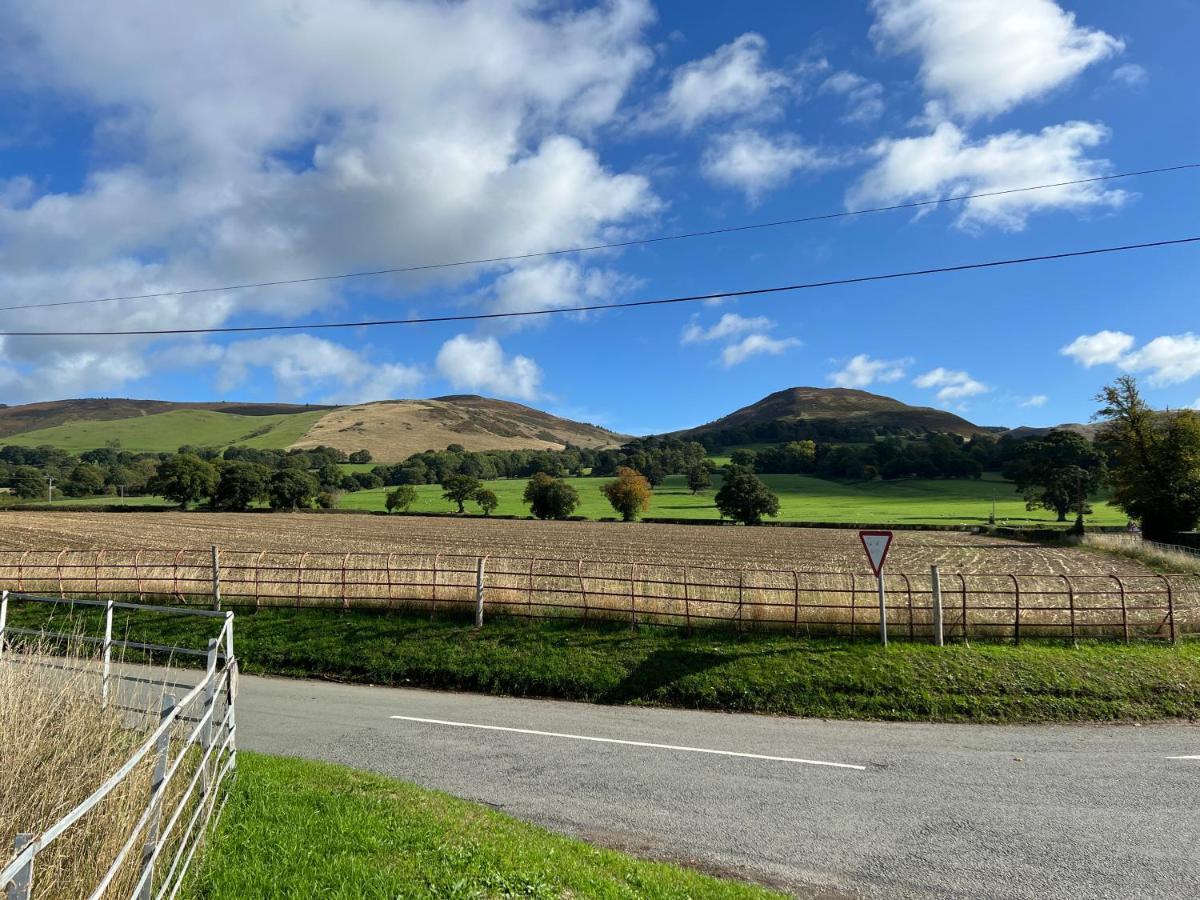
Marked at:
<point>166,432</point>
<point>825,549</point>
<point>802,498</point>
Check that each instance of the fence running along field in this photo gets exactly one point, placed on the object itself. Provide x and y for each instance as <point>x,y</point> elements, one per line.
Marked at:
<point>192,747</point>
<point>802,601</point>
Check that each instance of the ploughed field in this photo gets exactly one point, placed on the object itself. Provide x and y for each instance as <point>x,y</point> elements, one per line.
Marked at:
<point>728,546</point>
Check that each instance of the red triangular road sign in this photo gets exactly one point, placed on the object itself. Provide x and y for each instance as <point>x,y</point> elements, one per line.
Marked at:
<point>876,543</point>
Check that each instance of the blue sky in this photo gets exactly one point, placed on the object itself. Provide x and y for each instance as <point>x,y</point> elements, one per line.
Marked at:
<point>154,147</point>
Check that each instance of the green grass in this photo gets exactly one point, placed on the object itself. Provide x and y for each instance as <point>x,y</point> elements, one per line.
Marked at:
<point>1037,681</point>
<point>170,430</point>
<point>802,498</point>
<point>300,829</point>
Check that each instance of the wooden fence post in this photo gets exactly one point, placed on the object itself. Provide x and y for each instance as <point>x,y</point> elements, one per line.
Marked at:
<point>935,577</point>
<point>216,579</point>
<point>479,591</point>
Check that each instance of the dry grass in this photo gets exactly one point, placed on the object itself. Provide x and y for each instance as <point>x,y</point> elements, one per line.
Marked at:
<point>57,746</point>
<point>1152,554</point>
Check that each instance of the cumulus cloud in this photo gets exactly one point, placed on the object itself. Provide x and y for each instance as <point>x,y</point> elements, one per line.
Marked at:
<point>981,58</point>
<point>951,385</point>
<point>300,364</point>
<point>480,364</point>
<point>864,98</point>
<point>370,136</point>
<point>863,371</point>
<point>755,163</point>
<point>729,325</point>
<point>733,81</point>
<point>1131,74</point>
<point>1169,359</point>
<point>947,162</point>
<point>1096,349</point>
<point>755,345</point>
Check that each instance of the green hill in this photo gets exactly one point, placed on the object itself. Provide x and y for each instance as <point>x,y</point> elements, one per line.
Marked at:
<point>167,431</point>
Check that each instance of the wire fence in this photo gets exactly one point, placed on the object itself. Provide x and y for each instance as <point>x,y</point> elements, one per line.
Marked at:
<point>192,747</point>
<point>802,601</point>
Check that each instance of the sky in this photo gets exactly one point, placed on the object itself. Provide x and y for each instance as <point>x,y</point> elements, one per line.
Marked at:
<point>149,147</point>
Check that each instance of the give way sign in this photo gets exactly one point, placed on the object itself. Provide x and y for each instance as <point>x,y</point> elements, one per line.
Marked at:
<point>876,543</point>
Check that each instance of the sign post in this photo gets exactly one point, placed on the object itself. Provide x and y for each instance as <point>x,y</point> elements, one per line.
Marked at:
<point>876,543</point>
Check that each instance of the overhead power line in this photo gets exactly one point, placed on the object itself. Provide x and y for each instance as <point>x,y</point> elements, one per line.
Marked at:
<point>615,245</point>
<point>631,304</point>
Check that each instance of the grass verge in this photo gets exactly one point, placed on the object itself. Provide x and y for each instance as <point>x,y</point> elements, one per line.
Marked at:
<point>304,829</point>
<point>1037,681</point>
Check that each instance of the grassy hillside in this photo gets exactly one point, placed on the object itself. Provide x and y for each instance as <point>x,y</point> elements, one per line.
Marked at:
<point>170,430</point>
<point>802,498</point>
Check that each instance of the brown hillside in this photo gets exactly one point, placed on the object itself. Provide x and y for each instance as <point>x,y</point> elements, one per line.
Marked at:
<point>393,430</point>
<point>846,404</point>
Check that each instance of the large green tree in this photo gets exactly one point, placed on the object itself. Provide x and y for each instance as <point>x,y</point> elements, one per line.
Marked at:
<point>85,480</point>
<point>1155,473</point>
<point>292,489</point>
<point>184,478</point>
<point>1058,472</point>
<point>459,489</point>
<point>240,484</point>
<point>401,498</point>
<point>698,478</point>
<point>28,483</point>
<point>744,498</point>
<point>549,497</point>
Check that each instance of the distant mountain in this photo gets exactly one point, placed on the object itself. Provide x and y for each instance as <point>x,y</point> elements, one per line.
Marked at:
<point>392,430</point>
<point>395,429</point>
<point>1025,432</point>
<point>845,405</point>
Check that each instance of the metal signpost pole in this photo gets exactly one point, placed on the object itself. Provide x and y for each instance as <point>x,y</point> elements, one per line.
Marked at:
<point>876,544</point>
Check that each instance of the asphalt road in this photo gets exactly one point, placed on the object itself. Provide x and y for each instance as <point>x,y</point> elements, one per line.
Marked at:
<point>934,811</point>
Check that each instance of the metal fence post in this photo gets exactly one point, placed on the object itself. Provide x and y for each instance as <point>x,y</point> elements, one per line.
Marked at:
<point>3,619</point>
<point>479,591</point>
<point>210,695</point>
<point>22,884</point>
<point>216,578</point>
<point>160,773</point>
<point>936,582</point>
<point>106,669</point>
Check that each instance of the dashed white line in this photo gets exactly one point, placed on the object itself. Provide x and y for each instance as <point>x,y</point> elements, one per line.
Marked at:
<point>1183,757</point>
<point>604,740</point>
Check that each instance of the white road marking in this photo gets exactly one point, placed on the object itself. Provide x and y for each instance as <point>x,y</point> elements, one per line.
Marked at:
<point>1183,757</point>
<point>602,740</point>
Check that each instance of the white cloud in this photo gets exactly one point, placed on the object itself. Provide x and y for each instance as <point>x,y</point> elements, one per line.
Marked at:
<point>367,136</point>
<point>951,385</point>
<point>863,371</point>
<point>755,345</point>
<point>1102,347</point>
<point>982,57</point>
<point>864,98</point>
<point>1131,74</point>
<point>732,81</point>
<point>1169,359</point>
<point>1037,400</point>
<point>755,163</point>
<point>729,325</point>
<point>479,364</point>
<point>301,363</point>
<point>947,162</point>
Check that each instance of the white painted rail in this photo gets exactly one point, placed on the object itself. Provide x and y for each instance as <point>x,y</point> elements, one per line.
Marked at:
<point>196,731</point>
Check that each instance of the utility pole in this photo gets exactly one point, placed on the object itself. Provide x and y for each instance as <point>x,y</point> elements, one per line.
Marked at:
<point>49,488</point>
<point>992,518</point>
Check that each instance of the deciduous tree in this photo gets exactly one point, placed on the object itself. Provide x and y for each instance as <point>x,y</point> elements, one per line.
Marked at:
<point>629,493</point>
<point>744,498</point>
<point>292,489</point>
<point>459,489</point>
<point>184,478</point>
<point>549,497</point>
<point>698,478</point>
<point>487,500</point>
<point>401,498</point>
<point>1058,472</point>
<point>240,484</point>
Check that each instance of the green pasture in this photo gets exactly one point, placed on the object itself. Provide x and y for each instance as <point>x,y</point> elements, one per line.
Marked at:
<point>168,431</point>
<point>802,498</point>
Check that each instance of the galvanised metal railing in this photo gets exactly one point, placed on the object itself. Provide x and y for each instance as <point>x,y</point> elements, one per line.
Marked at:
<point>195,732</point>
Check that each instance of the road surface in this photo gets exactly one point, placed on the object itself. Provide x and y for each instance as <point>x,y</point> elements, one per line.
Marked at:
<point>821,809</point>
